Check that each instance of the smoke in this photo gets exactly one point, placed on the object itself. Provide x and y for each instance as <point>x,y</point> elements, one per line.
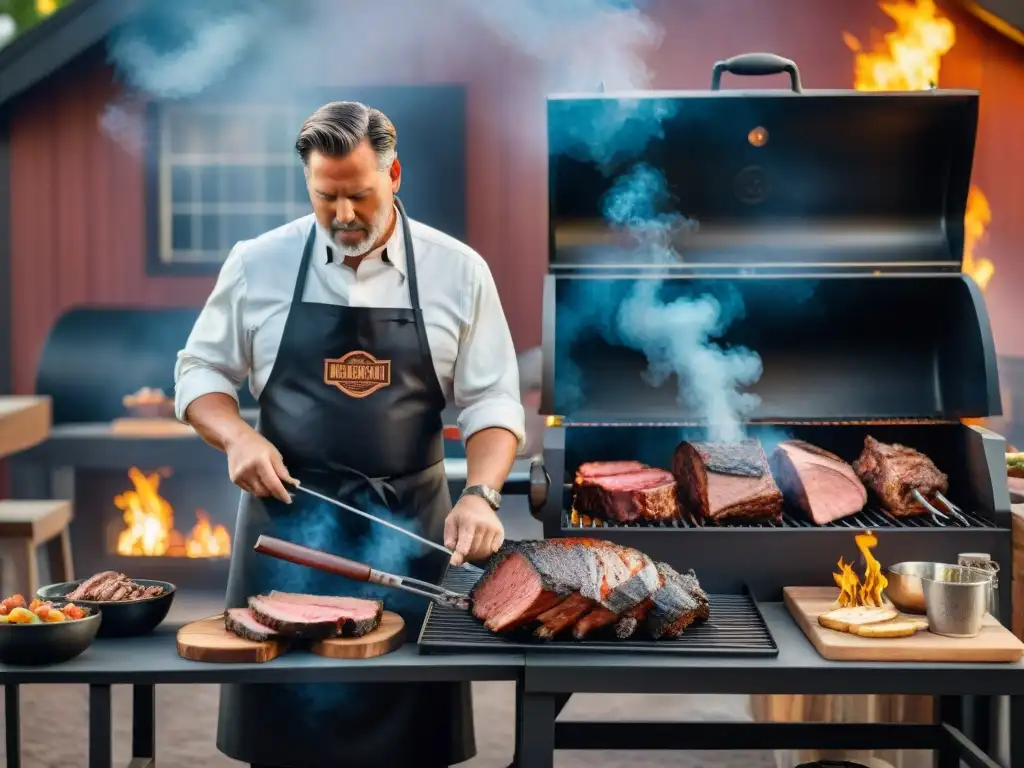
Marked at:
<point>272,50</point>
<point>323,526</point>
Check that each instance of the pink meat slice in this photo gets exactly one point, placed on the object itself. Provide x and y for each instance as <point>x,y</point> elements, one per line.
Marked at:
<point>355,607</point>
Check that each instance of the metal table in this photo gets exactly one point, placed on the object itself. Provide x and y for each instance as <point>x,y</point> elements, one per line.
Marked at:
<point>145,662</point>
<point>550,679</point>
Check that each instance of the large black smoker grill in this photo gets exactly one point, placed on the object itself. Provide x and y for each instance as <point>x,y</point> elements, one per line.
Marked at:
<point>837,218</point>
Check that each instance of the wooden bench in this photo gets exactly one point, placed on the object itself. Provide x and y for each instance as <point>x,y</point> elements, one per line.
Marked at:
<point>24,527</point>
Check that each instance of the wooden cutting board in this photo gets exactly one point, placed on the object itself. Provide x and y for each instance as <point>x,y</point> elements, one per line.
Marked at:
<point>207,640</point>
<point>805,604</point>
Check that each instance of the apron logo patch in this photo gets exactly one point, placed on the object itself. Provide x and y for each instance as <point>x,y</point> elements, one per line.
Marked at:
<point>357,374</point>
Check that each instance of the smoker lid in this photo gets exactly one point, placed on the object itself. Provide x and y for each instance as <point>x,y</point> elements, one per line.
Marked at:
<point>831,179</point>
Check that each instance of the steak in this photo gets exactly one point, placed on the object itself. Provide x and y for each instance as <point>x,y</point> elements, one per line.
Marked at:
<point>817,482</point>
<point>310,620</point>
<point>625,491</point>
<point>893,472</point>
<point>726,481</point>
<point>241,622</point>
<point>111,586</point>
<point>581,584</point>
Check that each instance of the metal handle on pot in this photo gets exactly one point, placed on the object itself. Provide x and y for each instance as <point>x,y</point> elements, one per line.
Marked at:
<point>756,65</point>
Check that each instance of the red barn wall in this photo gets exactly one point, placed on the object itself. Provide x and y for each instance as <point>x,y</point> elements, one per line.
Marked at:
<point>78,203</point>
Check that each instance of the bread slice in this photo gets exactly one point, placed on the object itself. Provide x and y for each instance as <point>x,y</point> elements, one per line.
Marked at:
<point>842,619</point>
<point>886,629</point>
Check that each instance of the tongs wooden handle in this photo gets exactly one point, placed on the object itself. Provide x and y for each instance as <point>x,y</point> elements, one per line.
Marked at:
<point>350,569</point>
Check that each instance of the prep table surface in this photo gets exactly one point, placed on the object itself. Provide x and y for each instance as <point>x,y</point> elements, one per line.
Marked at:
<point>545,678</point>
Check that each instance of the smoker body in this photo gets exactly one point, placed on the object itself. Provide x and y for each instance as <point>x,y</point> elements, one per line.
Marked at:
<point>824,232</point>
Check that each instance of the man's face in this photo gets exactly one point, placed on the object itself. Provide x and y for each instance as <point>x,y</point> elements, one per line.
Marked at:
<point>352,197</point>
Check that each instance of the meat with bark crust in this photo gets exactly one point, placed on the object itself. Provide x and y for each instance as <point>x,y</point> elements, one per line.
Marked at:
<point>817,482</point>
<point>356,616</point>
<point>646,495</point>
<point>312,622</point>
<point>893,472</point>
<point>565,583</point>
<point>241,622</point>
<point>725,481</point>
<point>678,604</point>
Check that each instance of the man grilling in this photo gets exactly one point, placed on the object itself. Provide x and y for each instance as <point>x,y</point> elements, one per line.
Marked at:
<point>355,325</point>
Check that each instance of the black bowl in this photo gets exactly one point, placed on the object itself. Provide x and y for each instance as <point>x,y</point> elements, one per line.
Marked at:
<point>48,643</point>
<point>121,618</point>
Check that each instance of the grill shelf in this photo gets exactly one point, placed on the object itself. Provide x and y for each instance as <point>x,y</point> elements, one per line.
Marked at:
<point>736,628</point>
<point>866,519</point>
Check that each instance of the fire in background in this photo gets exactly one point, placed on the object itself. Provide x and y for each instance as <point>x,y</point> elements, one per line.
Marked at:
<point>909,59</point>
<point>149,524</point>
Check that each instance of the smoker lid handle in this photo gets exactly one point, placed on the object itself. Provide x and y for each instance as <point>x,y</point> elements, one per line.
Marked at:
<point>756,65</point>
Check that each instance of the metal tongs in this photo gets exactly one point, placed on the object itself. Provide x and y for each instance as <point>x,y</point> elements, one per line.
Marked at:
<point>937,515</point>
<point>373,518</point>
<point>350,569</point>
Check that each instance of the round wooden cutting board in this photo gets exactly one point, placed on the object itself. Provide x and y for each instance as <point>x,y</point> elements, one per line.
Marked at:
<point>387,637</point>
<point>207,640</point>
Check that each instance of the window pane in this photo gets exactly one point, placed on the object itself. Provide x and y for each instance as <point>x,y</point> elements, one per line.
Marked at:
<point>299,192</point>
<point>181,185</point>
<point>242,227</point>
<point>274,221</point>
<point>209,183</point>
<point>279,136</point>
<point>210,132</point>
<point>182,134</point>
<point>242,184</point>
<point>209,232</point>
<point>276,183</point>
<point>181,232</point>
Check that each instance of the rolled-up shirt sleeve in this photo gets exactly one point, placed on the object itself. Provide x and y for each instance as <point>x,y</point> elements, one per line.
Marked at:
<point>486,370</point>
<point>216,355</point>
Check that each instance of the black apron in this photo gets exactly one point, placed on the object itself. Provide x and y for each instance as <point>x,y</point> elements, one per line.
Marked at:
<point>354,406</point>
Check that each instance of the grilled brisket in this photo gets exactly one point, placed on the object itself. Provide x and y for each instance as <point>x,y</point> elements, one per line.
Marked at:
<point>679,603</point>
<point>817,482</point>
<point>578,584</point>
<point>625,491</point>
<point>241,622</point>
<point>722,481</point>
<point>315,617</point>
<point>893,472</point>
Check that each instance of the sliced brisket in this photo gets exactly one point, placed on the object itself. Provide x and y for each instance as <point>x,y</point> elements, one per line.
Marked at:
<point>309,621</point>
<point>722,481</point>
<point>625,491</point>
<point>679,603</point>
<point>817,482</point>
<point>356,616</point>
<point>241,622</point>
<point>575,583</point>
<point>893,472</point>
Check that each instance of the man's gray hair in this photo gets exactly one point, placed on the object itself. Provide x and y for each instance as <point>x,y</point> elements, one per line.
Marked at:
<point>339,127</point>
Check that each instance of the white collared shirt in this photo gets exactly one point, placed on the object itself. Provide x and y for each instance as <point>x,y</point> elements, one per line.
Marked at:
<point>239,330</point>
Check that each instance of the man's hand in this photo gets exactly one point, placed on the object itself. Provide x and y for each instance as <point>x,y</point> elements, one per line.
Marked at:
<point>256,466</point>
<point>473,530</point>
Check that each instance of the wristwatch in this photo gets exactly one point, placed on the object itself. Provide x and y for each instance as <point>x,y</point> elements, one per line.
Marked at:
<point>485,492</point>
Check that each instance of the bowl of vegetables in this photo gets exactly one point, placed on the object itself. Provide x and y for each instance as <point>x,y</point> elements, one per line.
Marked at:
<point>44,631</point>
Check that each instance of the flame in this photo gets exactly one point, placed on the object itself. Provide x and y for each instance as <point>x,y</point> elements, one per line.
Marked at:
<point>909,59</point>
<point>851,591</point>
<point>149,524</point>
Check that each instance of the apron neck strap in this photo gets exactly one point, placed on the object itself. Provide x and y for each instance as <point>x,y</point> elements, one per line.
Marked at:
<point>307,254</point>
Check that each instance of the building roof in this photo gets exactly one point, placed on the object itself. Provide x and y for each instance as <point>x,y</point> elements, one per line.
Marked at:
<point>55,42</point>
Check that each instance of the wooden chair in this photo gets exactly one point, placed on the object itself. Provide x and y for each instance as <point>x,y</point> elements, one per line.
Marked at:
<point>24,527</point>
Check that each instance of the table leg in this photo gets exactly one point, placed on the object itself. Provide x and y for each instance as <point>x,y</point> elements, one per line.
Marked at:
<point>143,725</point>
<point>12,722</point>
<point>535,730</point>
<point>100,734</point>
<point>1017,732</point>
<point>948,711</point>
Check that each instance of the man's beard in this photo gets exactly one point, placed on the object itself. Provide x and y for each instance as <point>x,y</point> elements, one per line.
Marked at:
<point>363,247</point>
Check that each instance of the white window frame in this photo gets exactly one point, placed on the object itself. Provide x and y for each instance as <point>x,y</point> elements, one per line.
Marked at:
<point>172,115</point>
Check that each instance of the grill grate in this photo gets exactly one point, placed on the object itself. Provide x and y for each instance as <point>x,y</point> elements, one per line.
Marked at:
<point>736,628</point>
<point>867,519</point>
